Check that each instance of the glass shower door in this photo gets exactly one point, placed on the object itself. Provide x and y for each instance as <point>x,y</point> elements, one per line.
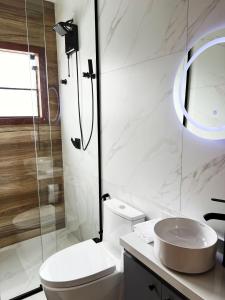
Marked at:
<point>47,187</point>
<point>20,234</point>
<point>31,178</point>
<point>47,127</point>
<point>34,223</point>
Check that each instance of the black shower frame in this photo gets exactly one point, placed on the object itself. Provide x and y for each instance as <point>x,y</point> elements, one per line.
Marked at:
<point>98,88</point>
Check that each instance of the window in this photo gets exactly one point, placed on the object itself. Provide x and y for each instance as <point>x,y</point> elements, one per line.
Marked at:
<point>23,92</point>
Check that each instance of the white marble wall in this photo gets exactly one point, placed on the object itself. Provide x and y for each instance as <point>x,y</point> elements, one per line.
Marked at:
<point>203,161</point>
<point>149,160</point>
<point>80,168</point>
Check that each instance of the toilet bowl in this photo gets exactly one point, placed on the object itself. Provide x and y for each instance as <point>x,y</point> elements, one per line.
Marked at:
<point>88,270</point>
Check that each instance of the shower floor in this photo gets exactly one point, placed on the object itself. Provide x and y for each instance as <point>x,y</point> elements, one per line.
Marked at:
<point>20,263</point>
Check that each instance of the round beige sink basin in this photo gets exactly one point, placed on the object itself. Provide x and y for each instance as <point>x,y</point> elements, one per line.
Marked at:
<point>185,245</point>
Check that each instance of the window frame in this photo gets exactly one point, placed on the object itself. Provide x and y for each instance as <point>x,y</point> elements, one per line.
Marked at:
<point>40,51</point>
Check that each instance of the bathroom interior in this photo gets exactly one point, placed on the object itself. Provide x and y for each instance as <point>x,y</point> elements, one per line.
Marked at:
<point>112,142</point>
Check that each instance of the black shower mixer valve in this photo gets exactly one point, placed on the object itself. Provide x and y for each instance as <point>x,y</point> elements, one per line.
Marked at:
<point>88,75</point>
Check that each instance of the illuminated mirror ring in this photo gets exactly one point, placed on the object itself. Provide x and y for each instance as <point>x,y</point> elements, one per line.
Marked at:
<point>183,83</point>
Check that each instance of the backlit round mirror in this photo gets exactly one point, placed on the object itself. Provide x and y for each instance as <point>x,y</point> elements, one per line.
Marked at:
<point>199,89</point>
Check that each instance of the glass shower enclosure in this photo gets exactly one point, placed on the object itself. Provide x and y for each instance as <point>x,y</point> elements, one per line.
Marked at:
<point>31,169</point>
<point>49,191</point>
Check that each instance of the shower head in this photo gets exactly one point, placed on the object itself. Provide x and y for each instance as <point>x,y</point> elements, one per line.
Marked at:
<point>70,31</point>
<point>59,28</point>
<point>62,28</point>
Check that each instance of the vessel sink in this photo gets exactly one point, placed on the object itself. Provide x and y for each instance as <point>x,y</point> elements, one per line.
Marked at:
<point>185,245</point>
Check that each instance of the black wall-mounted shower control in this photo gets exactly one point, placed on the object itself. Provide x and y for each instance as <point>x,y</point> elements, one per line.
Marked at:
<point>90,66</point>
<point>90,73</point>
<point>76,143</point>
<point>64,81</point>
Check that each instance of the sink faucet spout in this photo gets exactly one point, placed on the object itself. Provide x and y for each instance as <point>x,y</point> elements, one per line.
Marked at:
<point>214,216</point>
<point>217,216</point>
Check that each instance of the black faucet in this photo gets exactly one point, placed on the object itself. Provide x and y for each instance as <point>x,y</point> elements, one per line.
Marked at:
<point>217,216</point>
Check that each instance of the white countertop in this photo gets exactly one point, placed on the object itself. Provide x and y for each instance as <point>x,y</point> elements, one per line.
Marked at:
<point>207,286</point>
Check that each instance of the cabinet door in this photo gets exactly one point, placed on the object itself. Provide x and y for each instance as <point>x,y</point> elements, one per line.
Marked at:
<point>169,294</point>
<point>140,283</point>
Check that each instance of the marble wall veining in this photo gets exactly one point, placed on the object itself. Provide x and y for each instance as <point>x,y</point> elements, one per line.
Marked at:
<point>136,31</point>
<point>149,160</point>
<point>203,160</point>
<point>204,16</point>
<point>80,168</point>
<point>139,155</point>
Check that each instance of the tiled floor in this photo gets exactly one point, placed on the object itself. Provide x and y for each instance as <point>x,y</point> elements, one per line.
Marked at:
<point>20,263</point>
<point>39,296</point>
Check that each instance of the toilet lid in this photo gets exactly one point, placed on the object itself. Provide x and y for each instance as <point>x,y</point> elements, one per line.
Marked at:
<point>76,265</point>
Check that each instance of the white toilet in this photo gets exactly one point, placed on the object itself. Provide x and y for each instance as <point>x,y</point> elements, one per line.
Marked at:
<point>88,270</point>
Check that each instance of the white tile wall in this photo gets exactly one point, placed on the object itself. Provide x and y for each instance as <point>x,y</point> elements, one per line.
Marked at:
<point>135,31</point>
<point>204,16</point>
<point>141,153</point>
<point>148,159</point>
<point>142,43</point>
<point>80,168</point>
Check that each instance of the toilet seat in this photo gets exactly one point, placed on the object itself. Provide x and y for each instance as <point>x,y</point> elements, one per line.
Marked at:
<point>77,265</point>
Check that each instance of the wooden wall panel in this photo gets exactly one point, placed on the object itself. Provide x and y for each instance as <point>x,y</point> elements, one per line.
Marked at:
<point>19,176</point>
<point>13,21</point>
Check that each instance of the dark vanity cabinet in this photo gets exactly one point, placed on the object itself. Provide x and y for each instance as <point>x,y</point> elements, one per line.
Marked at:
<point>142,284</point>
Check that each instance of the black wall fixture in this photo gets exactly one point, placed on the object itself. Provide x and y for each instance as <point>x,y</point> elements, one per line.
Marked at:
<point>28,294</point>
<point>219,217</point>
<point>70,32</point>
<point>89,75</point>
<point>98,87</point>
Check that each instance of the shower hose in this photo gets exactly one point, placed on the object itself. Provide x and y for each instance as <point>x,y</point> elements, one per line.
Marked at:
<point>84,147</point>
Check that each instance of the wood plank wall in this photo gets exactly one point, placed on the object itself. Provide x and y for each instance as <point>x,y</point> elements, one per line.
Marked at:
<point>22,185</point>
